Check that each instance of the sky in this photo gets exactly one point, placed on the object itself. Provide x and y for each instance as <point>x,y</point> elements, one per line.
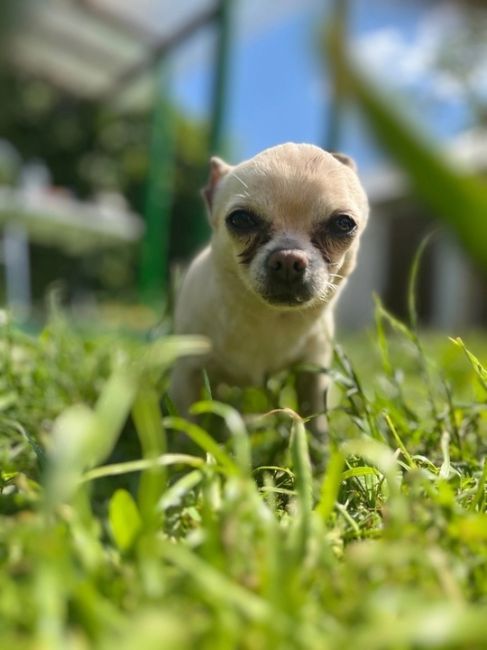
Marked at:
<point>278,89</point>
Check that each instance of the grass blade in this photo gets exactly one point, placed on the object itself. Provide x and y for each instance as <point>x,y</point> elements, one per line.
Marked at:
<point>117,469</point>
<point>399,442</point>
<point>235,425</point>
<point>201,438</point>
<point>478,367</point>
<point>330,485</point>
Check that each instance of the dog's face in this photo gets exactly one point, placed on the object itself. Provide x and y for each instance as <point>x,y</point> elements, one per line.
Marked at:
<point>287,222</point>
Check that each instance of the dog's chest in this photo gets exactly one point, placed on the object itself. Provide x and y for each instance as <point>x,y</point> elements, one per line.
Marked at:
<point>246,350</point>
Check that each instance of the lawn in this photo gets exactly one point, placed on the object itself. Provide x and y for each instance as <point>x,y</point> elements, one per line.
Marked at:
<point>112,538</point>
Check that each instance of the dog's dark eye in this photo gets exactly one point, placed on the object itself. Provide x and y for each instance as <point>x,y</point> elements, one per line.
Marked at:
<point>342,224</point>
<point>242,221</point>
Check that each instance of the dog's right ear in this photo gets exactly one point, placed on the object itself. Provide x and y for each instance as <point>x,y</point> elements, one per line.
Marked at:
<point>218,169</point>
<point>345,160</point>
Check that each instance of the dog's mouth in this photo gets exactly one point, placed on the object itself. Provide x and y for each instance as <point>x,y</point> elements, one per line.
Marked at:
<point>288,296</point>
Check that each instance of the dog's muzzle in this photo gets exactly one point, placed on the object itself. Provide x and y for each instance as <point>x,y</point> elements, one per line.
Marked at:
<point>287,277</point>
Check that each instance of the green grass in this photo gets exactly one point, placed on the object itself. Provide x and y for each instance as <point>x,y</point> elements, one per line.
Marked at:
<point>109,538</point>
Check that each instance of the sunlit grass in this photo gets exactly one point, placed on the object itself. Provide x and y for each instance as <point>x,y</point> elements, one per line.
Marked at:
<point>111,538</point>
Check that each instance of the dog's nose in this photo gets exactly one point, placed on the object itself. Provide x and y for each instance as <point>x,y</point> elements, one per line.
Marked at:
<point>287,265</point>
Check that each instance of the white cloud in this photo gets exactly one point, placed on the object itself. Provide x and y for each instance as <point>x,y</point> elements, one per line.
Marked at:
<point>410,62</point>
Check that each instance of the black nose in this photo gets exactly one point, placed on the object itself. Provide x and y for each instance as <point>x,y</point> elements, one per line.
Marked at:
<point>287,265</point>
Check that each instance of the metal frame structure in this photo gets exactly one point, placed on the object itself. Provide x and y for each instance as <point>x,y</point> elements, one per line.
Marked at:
<point>152,53</point>
<point>155,251</point>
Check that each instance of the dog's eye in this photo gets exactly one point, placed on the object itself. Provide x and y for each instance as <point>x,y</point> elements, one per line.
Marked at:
<point>342,224</point>
<point>242,221</point>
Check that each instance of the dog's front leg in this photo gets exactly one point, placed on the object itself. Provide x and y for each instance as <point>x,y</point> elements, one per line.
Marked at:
<point>312,390</point>
<point>186,385</point>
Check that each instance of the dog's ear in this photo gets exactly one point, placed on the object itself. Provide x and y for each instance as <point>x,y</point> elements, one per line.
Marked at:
<point>218,169</point>
<point>345,160</point>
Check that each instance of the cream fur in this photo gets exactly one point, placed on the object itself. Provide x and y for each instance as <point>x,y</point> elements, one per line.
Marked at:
<point>295,187</point>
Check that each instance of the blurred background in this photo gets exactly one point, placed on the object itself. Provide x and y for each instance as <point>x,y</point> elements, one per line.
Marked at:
<point>110,108</point>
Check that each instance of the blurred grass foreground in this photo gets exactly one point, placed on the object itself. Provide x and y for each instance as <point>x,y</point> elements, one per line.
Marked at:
<point>108,540</point>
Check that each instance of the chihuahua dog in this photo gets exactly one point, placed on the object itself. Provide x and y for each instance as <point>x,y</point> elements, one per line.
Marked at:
<point>286,228</point>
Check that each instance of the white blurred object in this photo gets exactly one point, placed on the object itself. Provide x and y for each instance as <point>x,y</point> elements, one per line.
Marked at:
<point>35,178</point>
<point>454,303</point>
<point>38,213</point>
<point>17,269</point>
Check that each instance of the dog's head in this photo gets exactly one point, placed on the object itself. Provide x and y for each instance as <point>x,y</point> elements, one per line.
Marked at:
<point>287,222</point>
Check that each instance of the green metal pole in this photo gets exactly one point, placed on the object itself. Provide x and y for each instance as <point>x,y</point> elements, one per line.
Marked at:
<point>339,20</point>
<point>216,140</point>
<point>159,194</point>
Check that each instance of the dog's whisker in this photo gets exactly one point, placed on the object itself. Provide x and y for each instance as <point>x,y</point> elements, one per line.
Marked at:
<point>242,195</point>
<point>240,181</point>
<point>327,292</point>
<point>335,275</point>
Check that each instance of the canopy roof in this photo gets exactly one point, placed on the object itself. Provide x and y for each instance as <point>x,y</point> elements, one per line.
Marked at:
<point>95,48</point>
<point>98,48</point>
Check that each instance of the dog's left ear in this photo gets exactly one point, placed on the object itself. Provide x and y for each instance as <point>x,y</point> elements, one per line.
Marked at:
<point>345,160</point>
<point>218,169</point>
